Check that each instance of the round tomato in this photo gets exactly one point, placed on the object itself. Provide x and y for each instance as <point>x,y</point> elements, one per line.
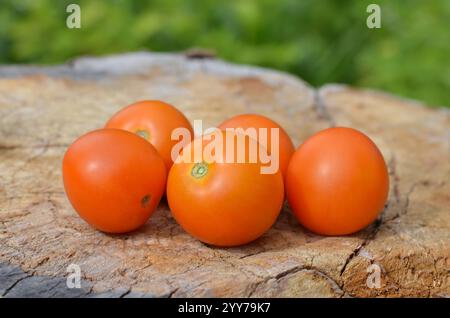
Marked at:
<point>286,147</point>
<point>223,202</point>
<point>154,121</point>
<point>113,179</point>
<point>337,182</point>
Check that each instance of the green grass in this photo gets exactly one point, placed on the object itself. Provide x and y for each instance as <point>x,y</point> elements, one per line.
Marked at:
<point>320,41</point>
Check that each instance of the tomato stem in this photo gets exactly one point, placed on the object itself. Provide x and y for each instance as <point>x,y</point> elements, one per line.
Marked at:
<point>199,170</point>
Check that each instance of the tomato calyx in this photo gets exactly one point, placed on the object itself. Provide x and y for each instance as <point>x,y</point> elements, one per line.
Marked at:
<point>143,133</point>
<point>199,170</point>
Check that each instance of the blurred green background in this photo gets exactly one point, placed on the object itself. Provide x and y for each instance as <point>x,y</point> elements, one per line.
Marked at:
<point>321,41</point>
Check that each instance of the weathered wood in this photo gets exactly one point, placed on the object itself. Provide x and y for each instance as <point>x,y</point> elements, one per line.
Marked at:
<point>43,109</point>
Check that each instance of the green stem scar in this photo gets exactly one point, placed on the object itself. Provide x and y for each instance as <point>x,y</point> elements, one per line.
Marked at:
<point>145,200</point>
<point>199,170</point>
<point>143,133</point>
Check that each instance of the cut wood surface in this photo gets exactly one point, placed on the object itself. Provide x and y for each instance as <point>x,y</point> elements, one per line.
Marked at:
<point>44,109</point>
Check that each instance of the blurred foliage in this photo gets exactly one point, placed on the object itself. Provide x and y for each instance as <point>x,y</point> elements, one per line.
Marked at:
<point>320,41</point>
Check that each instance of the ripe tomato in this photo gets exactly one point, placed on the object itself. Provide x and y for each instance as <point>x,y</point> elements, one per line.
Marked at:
<point>337,182</point>
<point>223,203</point>
<point>113,179</point>
<point>286,147</point>
<point>154,121</point>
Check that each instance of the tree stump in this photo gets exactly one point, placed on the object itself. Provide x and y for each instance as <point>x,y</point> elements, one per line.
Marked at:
<point>44,109</point>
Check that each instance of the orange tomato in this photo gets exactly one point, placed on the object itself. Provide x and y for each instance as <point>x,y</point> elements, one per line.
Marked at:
<point>223,203</point>
<point>114,179</point>
<point>337,182</point>
<point>245,121</point>
<point>154,121</point>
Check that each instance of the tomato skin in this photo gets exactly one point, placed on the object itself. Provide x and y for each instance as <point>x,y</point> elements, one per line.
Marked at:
<point>232,204</point>
<point>114,179</point>
<point>157,120</point>
<point>337,182</point>
<point>245,121</point>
